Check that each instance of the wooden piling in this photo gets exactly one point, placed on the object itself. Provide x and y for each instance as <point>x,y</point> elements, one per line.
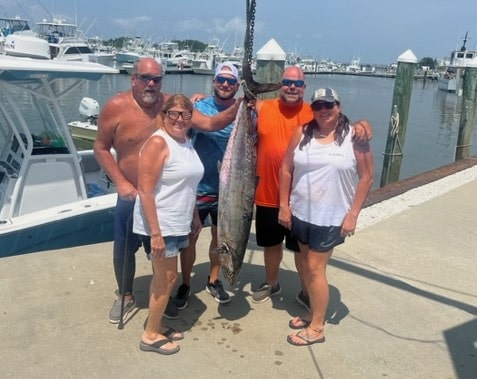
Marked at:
<point>468,112</point>
<point>399,114</point>
<point>270,65</point>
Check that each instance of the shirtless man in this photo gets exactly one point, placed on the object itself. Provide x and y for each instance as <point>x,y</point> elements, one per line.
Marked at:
<point>125,122</point>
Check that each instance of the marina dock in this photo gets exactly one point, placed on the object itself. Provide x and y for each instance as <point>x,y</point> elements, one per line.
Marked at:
<point>403,303</point>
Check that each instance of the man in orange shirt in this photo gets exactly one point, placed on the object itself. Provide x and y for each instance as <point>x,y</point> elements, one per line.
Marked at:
<point>277,120</point>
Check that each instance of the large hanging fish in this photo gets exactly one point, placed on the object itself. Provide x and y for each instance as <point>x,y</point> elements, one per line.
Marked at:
<point>237,173</point>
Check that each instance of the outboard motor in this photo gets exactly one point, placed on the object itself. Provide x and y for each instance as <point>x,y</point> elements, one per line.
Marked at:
<point>90,109</point>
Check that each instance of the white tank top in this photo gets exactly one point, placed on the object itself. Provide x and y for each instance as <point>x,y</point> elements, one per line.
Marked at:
<point>174,191</point>
<point>324,182</point>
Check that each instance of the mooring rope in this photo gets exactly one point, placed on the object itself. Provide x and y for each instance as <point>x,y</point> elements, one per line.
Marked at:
<point>394,132</point>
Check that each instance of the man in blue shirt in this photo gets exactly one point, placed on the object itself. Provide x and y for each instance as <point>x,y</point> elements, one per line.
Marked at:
<point>211,148</point>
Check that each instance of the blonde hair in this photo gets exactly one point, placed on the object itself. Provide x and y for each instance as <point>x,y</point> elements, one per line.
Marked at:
<point>180,100</point>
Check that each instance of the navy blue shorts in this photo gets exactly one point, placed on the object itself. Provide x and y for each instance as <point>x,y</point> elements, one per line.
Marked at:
<point>269,232</point>
<point>318,238</point>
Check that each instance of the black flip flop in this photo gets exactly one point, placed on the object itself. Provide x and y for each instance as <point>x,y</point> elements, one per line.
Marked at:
<point>156,347</point>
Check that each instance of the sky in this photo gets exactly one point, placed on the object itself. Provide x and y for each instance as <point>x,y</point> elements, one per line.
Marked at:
<point>376,31</point>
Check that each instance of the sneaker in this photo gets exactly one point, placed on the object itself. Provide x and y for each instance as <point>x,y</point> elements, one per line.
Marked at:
<point>216,289</point>
<point>303,300</point>
<point>265,292</point>
<point>180,299</point>
<point>115,312</point>
<point>171,312</point>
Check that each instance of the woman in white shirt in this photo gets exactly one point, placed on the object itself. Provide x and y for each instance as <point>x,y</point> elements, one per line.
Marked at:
<point>168,174</point>
<point>324,181</point>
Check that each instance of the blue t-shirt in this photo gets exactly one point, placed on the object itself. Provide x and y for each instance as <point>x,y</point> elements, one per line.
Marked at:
<point>210,147</point>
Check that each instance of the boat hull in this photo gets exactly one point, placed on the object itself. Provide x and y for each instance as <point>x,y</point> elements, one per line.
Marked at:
<point>67,228</point>
<point>83,130</point>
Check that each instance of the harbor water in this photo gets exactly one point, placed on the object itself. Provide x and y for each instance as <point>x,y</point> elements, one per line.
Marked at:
<point>432,128</point>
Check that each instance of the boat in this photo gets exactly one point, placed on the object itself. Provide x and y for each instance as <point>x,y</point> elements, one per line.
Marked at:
<point>206,61</point>
<point>86,128</point>
<point>308,65</point>
<point>175,60</point>
<point>64,40</point>
<point>451,79</point>
<point>51,195</point>
<point>17,39</point>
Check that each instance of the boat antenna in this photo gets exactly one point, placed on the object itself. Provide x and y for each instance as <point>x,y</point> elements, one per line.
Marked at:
<point>463,48</point>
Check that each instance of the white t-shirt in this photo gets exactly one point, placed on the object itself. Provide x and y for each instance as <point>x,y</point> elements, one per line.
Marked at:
<point>324,182</point>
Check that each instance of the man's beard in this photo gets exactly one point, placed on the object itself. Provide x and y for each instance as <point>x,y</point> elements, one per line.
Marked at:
<point>230,95</point>
<point>149,97</point>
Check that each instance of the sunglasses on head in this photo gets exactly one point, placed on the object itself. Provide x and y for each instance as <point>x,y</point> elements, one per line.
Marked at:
<point>223,79</point>
<point>319,105</point>
<point>289,83</point>
<point>174,115</point>
<point>147,78</point>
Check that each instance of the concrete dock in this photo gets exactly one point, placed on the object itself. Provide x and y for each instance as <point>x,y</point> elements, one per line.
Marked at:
<point>403,304</point>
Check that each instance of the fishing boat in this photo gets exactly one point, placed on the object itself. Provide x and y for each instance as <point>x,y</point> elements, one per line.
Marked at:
<point>51,195</point>
<point>64,40</point>
<point>87,127</point>
<point>206,61</point>
<point>451,79</point>
<point>17,39</point>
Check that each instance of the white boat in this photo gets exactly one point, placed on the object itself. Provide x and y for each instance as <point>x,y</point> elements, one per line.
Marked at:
<point>17,39</point>
<point>86,128</point>
<point>64,40</point>
<point>451,79</point>
<point>175,60</point>
<point>206,61</point>
<point>51,195</point>
<point>308,65</point>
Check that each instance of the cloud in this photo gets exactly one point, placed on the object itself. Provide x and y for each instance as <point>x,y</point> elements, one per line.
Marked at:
<point>131,23</point>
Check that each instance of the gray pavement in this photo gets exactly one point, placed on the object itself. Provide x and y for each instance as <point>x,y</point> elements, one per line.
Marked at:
<point>403,305</point>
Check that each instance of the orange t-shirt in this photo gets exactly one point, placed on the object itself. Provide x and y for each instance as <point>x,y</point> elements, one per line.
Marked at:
<point>276,125</point>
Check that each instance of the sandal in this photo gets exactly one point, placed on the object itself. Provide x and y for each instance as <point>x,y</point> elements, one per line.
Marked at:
<point>298,323</point>
<point>303,336</point>
<point>172,334</point>
<point>157,347</point>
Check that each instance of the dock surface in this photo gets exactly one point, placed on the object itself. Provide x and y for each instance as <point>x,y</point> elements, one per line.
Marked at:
<point>403,304</point>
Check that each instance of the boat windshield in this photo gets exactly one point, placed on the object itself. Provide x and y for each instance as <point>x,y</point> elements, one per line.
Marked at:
<point>38,128</point>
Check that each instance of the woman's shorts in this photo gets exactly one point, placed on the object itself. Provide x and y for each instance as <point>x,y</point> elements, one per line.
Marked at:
<point>174,245</point>
<point>318,238</point>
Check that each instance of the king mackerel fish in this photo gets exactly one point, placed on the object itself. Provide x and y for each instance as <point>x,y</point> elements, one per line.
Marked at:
<point>238,179</point>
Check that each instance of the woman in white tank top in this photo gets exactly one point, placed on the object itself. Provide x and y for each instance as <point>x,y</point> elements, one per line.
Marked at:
<point>168,175</point>
<point>324,181</point>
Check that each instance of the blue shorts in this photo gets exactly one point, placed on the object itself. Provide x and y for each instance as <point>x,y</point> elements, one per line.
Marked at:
<point>174,245</point>
<point>319,238</point>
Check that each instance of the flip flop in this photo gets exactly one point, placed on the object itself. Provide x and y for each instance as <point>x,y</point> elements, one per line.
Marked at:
<point>298,323</point>
<point>156,347</point>
<point>306,341</point>
<point>173,334</point>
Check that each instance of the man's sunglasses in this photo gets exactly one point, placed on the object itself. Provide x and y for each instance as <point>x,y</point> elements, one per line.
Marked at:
<point>147,78</point>
<point>289,83</point>
<point>319,105</point>
<point>223,79</point>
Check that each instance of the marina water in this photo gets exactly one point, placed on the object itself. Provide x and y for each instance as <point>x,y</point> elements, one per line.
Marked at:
<point>432,128</point>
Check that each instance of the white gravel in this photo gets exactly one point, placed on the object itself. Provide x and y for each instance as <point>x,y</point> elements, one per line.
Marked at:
<point>380,211</point>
